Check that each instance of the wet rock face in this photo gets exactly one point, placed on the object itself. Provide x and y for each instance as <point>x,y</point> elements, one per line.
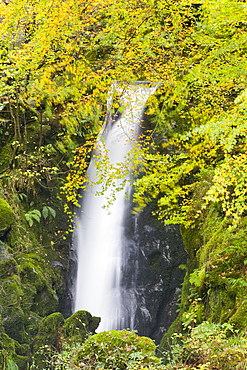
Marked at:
<point>151,274</point>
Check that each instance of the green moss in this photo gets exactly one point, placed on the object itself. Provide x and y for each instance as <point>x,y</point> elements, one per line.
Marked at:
<point>30,272</point>
<point>239,319</point>
<point>5,157</point>
<point>176,327</point>
<point>32,324</point>
<point>22,356</point>
<point>11,293</point>
<point>216,273</point>
<point>221,305</point>
<point>8,268</point>
<point>48,339</point>
<point>45,302</point>
<point>29,294</point>
<point>7,343</point>
<point>37,280</point>
<point>78,326</point>
<point>192,240</point>
<point>13,323</point>
<point>6,216</point>
<point>48,333</point>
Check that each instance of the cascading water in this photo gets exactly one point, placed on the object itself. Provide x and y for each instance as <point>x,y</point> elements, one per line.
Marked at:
<point>100,234</point>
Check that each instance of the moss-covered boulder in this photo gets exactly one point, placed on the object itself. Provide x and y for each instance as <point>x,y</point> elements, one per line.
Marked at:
<point>7,351</point>
<point>78,326</point>
<point>13,323</point>
<point>48,340</point>
<point>10,307</point>
<point>6,217</point>
<point>32,323</point>
<point>49,331</point>
<point>46,302</point>
<point>239,319</point>
<point>13,355</point>
<point>8,268</point>
<point>36,278</point>
<point>22,356</point>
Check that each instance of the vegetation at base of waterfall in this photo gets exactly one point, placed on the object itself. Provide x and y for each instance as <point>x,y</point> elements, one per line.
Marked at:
<point>111,349</point>
<point>208,346</point>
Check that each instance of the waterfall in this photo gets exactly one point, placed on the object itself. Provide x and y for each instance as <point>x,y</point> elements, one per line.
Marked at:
<point>100,233</point>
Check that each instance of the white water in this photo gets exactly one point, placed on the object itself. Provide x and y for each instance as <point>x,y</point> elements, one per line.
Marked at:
<point>100,235</point>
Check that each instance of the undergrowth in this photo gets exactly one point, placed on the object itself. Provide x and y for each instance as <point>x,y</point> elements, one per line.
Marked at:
<point>208,346</point>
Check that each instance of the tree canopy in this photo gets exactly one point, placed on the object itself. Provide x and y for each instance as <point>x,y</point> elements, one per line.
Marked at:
<point>58,60</point>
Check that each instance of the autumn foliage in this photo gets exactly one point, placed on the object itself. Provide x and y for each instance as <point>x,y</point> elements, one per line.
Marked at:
<point>59,59</point>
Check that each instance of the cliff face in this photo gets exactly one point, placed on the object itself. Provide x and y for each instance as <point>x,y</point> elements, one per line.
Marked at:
<point>153,253</point>
<point>219,278</point>
<point>33,266</point>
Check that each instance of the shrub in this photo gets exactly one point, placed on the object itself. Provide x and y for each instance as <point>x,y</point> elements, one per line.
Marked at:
<point>116,350</point>
<point>209,346</point>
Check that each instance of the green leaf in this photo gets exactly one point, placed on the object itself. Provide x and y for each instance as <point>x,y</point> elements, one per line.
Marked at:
<point>45,212</point>
<point>52,211</point>
<point>36,217</point>
<point>35,212</point>
<point>11,365</point>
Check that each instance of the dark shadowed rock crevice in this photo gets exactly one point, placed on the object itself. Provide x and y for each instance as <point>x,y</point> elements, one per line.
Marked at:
<point>153,253</point>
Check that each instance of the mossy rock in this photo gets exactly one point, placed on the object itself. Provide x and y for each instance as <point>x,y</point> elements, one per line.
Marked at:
<point>221,305</point>
<point>30,272</point>
<point>32,324</point>
<point>6,216</point>
<point>239,319</point>
<point>116,349</point>
<point>7,343</point>
<point>22,356</point>
<point>49,331</point>
<point>13,323</point>
<point>29,294</point>
<point>192,240</point>
<point>8,268</point>
<point>78,326</point>
<point>36,280</point>
<point>7,352</point>
<point>11,293</point>
<point>45,302</point>
<point>10,307</point>
<point>47,342</point>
